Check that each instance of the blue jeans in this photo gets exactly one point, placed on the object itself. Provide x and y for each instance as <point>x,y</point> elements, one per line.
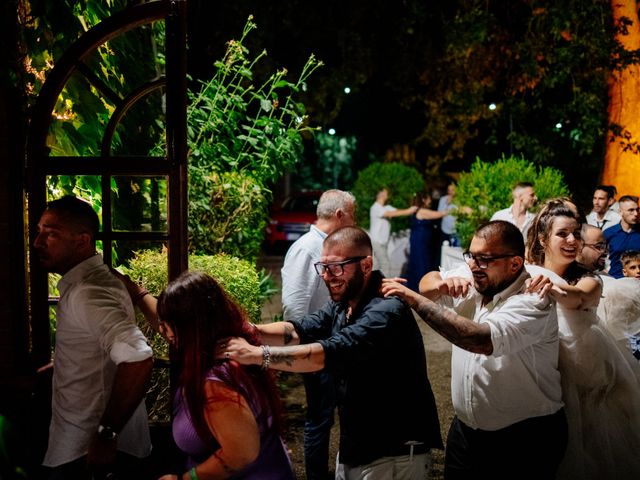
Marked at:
<point>321,402</point>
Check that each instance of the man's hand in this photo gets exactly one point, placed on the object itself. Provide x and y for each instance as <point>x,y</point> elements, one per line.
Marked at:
<point>390,287</point>
<point>454,287</point>
<point>240,350</point>
<point>101,454</point>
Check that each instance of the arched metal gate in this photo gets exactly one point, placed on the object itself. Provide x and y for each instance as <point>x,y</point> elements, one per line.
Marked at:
<point>172,166</point>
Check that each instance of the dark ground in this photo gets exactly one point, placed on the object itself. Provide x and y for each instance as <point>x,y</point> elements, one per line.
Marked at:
<point>293,396</point>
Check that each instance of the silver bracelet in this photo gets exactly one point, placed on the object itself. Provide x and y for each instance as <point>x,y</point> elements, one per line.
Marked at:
<point>266,356</point>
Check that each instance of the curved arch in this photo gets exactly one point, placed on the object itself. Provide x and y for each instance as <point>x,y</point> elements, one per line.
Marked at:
<point>72,60</point>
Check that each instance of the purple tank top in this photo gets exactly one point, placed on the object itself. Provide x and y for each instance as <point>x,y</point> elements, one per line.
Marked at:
<point>273,462</point>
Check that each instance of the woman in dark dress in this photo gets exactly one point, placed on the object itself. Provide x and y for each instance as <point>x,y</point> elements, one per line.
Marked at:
<point>423,242</point>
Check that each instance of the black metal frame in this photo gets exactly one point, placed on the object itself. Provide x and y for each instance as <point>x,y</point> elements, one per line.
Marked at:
<point>174,166</point>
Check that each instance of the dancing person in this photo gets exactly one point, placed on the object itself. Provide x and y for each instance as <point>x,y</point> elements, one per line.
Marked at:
<point>524,198</point>
<point>388,418</point>
<point>102,361</point>
<point>602,216</point>
<point>625,235</point>
<point>304,292</point>
<point>600,381</point>
<point>226,417</point>
<point>505,384</point>
<point>423,240</point>
<point>380,229</point>
<point>448,225</point>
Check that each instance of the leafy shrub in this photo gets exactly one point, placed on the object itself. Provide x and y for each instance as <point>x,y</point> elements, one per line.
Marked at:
<point>242,135</point>
<point>402,183</point>
<point>239,279</point>
<point>487,188</point>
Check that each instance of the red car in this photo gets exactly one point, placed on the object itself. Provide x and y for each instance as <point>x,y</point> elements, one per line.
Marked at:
<point>292,218</point>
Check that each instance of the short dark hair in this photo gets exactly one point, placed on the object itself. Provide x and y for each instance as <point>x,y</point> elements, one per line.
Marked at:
<point>628,198</point>
<point>352,237</point>
<point>629,256</point>
<point>78,213</point>
<point>506,232</point>
<point>608,189</point>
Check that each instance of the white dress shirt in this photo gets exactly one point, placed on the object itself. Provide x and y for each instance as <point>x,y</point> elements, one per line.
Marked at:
<point>96,331</point>
<point>520,379</point>
<point>380,227</point>
<point>507,215</point>
<point>303,290</point>
<point>609,219</point>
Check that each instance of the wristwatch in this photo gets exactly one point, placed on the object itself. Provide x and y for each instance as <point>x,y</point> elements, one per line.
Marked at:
<point>106,433</point>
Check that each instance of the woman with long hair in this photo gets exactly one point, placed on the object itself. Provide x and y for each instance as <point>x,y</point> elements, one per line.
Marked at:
<point>226,416</point>
<point>423,240</point>
<point>600,381</point>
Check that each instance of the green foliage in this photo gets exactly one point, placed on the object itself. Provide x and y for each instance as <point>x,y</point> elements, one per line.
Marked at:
<point>487,188</point>
<point>331,165</point>
<point>402,183</point>
<point>242,136</point>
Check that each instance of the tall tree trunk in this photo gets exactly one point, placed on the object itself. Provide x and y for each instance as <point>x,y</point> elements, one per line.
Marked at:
<point>622,158</point>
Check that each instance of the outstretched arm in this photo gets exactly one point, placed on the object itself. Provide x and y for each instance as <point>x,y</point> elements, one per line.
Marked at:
<point>294,358</point>
<point>585,294</point>
<point>400,212</point>
<point>462,332</point>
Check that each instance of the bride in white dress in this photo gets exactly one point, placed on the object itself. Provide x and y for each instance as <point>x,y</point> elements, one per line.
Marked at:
<point>600,380</point>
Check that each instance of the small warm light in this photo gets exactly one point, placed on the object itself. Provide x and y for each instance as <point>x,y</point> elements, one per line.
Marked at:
<point>332,131</point>
<point>558,125</point>
<point>492,106</point>
<point>347,90</point>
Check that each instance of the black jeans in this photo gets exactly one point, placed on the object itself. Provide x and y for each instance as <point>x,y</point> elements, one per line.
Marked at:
<point>530,449</point>
<point>321,404</point>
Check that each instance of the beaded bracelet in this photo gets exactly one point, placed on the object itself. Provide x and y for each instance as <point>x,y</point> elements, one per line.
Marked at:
<point>266,357</point>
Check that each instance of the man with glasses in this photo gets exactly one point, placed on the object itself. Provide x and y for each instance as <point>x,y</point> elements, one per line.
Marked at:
<point>505,385</point>
<point>304,292</point>
<point>593,255</point>
<point>374,348</point>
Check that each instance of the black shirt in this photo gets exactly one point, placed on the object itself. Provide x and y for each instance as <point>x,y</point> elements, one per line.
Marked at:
<point>378,359</point>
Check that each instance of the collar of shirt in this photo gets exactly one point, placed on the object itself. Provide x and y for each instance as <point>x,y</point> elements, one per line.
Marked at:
<point>514,288</point>
<point>78,272</point>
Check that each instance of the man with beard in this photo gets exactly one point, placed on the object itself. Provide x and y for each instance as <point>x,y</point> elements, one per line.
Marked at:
<point>602,216</point>
<point>505,383</point>
<point>373,346</point>
<point>593,255</point>
<point>625,235</point>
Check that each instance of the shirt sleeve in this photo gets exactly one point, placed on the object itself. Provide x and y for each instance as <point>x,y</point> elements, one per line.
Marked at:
<point>110,319</point>
<point>317,325</point>
<point>522,321</point>
<point>299,283</point>
<point>367,336</point>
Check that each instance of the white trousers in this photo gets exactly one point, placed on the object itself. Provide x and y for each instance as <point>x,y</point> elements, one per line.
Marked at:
<point>387,468</point>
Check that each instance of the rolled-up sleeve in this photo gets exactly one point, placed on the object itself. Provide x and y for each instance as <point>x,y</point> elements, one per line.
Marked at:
<point>521,322</point>
<point>110,317</point>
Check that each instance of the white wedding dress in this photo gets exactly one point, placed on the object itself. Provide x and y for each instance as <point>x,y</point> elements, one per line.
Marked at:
<point>601,392</point>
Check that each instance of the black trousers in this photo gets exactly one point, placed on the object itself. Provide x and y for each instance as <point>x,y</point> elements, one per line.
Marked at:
<point>530,449</point>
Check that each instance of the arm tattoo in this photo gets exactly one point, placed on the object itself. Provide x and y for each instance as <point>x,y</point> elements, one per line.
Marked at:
<point>287,336</point>
<point>288,358</point>
<point>458,330</point>
<point>279,357</point>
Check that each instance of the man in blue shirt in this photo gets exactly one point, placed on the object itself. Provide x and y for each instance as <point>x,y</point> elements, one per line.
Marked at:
<point>373,346</point>
<point>624,236</point>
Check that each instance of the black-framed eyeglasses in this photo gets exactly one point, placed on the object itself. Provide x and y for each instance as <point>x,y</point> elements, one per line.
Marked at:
<point>335,268</point>
<point>601,247</point>
<point>483,262</point>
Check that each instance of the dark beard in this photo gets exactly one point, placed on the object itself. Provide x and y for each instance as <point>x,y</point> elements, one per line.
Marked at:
<point>353,288</point>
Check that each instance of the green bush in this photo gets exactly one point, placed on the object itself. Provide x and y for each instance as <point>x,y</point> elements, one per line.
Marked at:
<point>402,183</point>
<point>239,279</point>
<point>487,188</point>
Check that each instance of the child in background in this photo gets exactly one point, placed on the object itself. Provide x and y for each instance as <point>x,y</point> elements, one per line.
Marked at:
<point>631,263</point>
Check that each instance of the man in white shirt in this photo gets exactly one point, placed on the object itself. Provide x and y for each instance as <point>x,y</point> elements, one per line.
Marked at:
<point>505,383</point>
<point>304,292</point>
<point>524,198</point>
<point>380,229</point>
<point>102,362</point>
<point>602,215</point>
<point>448,223</point>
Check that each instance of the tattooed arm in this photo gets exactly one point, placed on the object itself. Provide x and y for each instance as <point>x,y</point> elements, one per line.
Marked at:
<point>294,358</point>
<point>462,332</point>
<point>278,333</point>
